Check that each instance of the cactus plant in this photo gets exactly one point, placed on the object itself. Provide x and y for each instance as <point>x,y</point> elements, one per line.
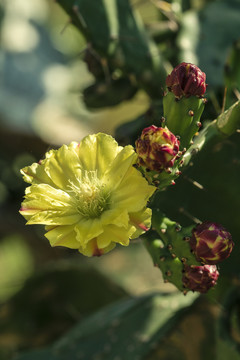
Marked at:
<point>203,161</point>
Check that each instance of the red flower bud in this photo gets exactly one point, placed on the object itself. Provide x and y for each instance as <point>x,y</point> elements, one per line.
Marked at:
<point>211,243</point>
<point>157,148</point>
<point>186,80</point>
<point>200,278</point>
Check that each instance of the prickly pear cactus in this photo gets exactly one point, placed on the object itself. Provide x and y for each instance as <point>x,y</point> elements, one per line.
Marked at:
<point>184,165</point>
<point>169,243</point>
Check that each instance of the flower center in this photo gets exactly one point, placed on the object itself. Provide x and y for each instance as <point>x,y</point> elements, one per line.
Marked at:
<point>91,195</point>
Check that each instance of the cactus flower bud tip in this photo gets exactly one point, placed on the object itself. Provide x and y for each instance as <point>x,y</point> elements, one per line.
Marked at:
<point>211,242</point>
<point>187,80</point>
<point>200,278</point>
<point>157,148</point>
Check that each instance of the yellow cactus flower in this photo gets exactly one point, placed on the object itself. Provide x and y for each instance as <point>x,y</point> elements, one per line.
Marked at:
<point>88,195</point>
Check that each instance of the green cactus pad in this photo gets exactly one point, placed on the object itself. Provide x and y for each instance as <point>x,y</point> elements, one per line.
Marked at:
<point>183,116</point>
<point>168,245</point>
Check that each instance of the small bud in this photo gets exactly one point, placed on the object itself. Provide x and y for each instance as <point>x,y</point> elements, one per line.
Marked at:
<point>186,80</point>
<point>211,243</point>
<point>157,148</point>
<point>200,278</point>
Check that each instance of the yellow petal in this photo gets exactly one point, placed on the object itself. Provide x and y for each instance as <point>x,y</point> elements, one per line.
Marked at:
<point>120,166</point>
<point>63,236</point>
<point>87,229</point>
<point>51,218</point>
<point>96,152</point>
<point>63,166</point>
<point>116,234</point>
<point>104,241</point>
<point>92,249</point>
<point>141,221</point>
<point>115,216</point>
<point>46,205</point>
<point>35,174</point>
<point>133,192</point>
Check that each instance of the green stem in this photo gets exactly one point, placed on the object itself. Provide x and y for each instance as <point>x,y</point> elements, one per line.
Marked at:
<point>224,126</point>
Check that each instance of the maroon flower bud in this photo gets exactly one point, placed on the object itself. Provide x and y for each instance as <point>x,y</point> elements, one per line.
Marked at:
<point>211,243</point>
<point>186,80</point>
<point>200,278</point>
<point>157,148</point>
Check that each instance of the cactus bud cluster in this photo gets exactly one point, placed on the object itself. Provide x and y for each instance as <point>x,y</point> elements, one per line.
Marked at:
<point>210,243</point>
<point>186,256</point>
<point>172,251</point>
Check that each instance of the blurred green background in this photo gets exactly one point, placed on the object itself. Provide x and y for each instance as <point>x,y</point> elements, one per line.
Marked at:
<point>43,104</point>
